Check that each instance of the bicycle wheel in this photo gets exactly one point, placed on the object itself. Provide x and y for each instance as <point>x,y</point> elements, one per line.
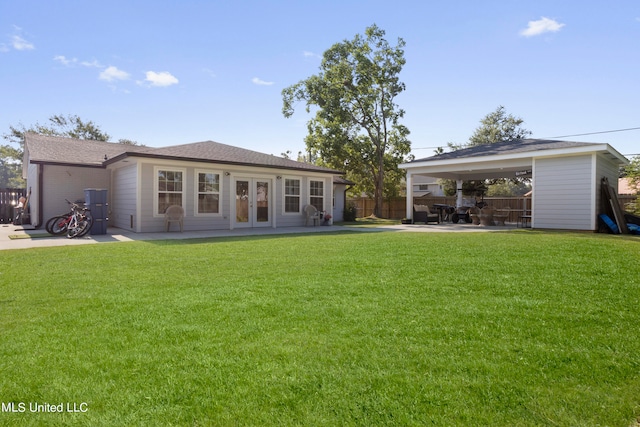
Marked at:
<point>57,225</point>
<point>85,225</point>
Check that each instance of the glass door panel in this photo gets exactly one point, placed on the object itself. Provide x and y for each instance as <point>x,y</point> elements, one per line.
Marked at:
<point>242,202</point>
<point>262,201</point>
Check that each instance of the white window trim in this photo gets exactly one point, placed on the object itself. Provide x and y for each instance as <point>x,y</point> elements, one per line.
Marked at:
<point>196,192</point>
<point>156,189</point>
<point>284,195</point>
<point>324,192</point>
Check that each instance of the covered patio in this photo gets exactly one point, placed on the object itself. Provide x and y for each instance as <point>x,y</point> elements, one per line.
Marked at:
<point>565,176</point>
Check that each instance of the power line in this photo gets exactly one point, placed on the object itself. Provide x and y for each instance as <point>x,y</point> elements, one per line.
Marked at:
<point>561,136</point>
<point>593,133</point>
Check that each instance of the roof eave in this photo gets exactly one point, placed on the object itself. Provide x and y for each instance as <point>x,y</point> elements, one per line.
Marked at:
<point>224,162</point>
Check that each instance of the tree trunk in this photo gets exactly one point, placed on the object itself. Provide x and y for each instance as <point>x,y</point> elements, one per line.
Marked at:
<point>377,209</point>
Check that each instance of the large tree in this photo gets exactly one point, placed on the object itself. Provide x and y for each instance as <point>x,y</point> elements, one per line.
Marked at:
<point>632,173</point>
<point>497,126</point>
<point>71,126</point>
<point>356,126</point>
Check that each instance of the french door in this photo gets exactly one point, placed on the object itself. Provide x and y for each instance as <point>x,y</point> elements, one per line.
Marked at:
<point>252,202</point>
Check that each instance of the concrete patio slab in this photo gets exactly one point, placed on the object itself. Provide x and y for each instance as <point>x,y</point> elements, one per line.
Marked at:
<point>29,237</point>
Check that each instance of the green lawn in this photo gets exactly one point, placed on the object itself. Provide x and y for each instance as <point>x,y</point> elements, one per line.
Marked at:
<point>519,328</point>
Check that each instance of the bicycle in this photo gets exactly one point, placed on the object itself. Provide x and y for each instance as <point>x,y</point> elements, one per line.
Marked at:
<point>76,223</point>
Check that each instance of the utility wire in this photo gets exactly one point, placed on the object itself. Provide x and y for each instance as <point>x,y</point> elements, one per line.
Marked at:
<point>562,136</point>
<point>593,133</point>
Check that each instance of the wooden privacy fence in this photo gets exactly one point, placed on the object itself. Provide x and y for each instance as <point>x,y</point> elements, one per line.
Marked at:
<point>396,208</point>
<point>8,201</point>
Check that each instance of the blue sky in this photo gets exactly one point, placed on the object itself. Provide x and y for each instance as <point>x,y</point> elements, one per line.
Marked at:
<point>172,72</point>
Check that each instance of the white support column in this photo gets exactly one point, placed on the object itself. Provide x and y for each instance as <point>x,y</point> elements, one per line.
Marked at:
<point>409,213</point>
<point>458,193</point>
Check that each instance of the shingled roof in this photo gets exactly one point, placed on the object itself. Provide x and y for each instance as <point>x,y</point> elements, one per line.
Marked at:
<point>70,151</point>
<point>57,150</point>
<point>507,147</point>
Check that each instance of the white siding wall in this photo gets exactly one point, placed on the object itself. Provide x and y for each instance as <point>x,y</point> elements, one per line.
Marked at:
<point>123,198</point>
<point>338,197</point>
<point>68,182</point>
<point>563,193</point>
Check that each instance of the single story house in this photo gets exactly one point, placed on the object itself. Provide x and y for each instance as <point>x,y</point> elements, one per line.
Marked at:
<point>565,176</point>
<point>219,186</point>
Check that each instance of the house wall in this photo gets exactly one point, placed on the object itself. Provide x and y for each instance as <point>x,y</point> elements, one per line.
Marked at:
<point>123,197</point>
<point>150,221</point>
<point>563,193</point>
<point>68,182</point>
<point>32,183</point>
<point>338,202</point>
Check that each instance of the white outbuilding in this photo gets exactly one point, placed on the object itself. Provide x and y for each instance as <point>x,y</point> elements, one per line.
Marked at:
<point>565,176</point>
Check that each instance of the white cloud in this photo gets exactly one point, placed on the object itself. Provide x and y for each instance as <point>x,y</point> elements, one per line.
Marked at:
<point>113,73</point>
<point>308,54</point>
<point>64,60</point>
<point>260,82</point>
<point>91,64</point>
<point>163,78</point>
<point>210,72</point>
<point>21,44</point>
<point>541,26</point>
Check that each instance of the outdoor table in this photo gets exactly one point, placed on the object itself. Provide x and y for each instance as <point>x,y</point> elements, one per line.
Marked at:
<point>443,211</point>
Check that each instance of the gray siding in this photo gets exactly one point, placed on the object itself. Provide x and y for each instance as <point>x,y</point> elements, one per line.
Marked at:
<point>151,222</point>
<point>32,183</point>
<point>563,193</point>
<point>123,198</point>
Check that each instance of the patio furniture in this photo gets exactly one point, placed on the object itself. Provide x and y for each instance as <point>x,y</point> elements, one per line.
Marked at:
<point>525,221</point>
<point>486,216</point>
<point>311,213</point>
<point>21,214</point>
<point>421,213</point>
<point>445,211</point>
<point>174,213</point>
<point>474,214</point>
<point>501,215</point>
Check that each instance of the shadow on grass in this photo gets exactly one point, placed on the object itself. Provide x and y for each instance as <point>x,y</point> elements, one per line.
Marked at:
<point>245,238</point>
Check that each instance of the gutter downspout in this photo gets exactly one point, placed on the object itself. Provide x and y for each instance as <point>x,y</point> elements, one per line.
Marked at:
<point>40,195</point>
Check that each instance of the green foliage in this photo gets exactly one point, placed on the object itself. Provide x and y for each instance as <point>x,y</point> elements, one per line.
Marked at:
<point>71,126</point>
<point>346,329</point>
<point>508,188</point>
<point>350,213</point>
<point>632,173</point>
<point>497,126</point>
<point>356,127</point>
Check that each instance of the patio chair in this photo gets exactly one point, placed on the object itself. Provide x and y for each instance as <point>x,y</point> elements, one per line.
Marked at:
<point>421,213</point>
<point>501,215</point>
<point>174,213</point>
<point>311,213</point>
<point>21,214</point>
<point>486,216</point>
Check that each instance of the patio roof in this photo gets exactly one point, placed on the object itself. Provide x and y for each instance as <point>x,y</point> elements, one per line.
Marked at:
<point>502,160</point>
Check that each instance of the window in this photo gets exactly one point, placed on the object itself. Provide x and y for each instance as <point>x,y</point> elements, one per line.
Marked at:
<point>291,195</point>
<point>170,188</point>
<point>316,194</point>
<point>208,192</point>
